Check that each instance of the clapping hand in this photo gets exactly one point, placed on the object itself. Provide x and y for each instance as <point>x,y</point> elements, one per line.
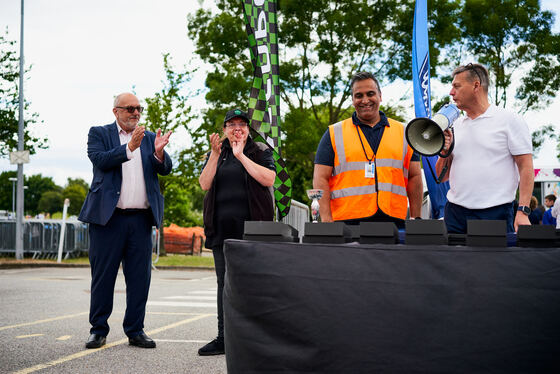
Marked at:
<point>160,142</point>
<point>215,143</point>
<point>137,136</point>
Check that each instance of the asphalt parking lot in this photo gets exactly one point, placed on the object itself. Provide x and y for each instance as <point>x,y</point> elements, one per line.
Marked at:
<point>44,324</point>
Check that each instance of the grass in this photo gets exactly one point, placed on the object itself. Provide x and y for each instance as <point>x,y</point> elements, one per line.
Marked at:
<point>169,260</point>
<point>182,260</point>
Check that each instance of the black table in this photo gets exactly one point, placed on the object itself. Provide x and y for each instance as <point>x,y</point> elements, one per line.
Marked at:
<point>319,308</point>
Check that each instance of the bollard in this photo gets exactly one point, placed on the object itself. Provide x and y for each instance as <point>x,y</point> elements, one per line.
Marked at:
<point>62,230</point>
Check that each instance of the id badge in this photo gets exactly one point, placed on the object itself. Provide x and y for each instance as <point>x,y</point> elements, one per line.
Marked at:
<point>370,171</point>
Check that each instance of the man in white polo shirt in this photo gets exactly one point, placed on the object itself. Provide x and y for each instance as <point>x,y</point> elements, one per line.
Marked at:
<point>491,157</point>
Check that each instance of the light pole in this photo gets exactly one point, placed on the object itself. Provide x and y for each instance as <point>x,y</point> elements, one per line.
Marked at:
<point>19,205</point>
<point>13,180</point>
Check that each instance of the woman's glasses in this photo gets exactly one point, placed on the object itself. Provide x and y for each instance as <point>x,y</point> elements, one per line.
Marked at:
<point>236,124</point>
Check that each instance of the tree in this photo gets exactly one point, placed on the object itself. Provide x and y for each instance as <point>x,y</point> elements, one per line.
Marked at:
<point>322,44</point>
<point>179,206</point>
<point>37,185</point>
<point>6,190</point>
<point>168,110</point>
<point>51,202</point>
<point>75,190</point>
<point>78,181</point>
<point>506,36</point>
<point>9,104</point>
<point>540,135</point>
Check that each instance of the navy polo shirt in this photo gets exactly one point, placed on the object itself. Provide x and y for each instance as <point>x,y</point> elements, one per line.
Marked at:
<point>325,151</point>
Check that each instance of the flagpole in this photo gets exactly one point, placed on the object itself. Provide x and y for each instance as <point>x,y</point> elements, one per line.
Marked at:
<point>422,99</point>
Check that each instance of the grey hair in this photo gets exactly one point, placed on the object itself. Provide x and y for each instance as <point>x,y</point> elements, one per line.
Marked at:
<point>362,76</point>
<point>475,72</point>
<point>117,99</point>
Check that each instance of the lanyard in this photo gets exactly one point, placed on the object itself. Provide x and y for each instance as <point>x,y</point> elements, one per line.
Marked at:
<point>364,148</point>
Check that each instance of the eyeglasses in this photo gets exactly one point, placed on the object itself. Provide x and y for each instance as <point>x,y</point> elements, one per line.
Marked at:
<point>238,124</point>
<point>131,109</point>
<point>470,66</point>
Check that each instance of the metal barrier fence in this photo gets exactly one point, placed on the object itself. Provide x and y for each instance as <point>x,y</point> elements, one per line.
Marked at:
<point>41,238</point>
<point>297,216</point>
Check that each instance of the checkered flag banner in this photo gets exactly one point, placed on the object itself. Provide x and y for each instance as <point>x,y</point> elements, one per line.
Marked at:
<point>264,101</point>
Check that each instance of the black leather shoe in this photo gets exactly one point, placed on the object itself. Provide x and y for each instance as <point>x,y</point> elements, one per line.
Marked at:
<point>95,341</point>
<point>142,340</point>
<point>215,347</point>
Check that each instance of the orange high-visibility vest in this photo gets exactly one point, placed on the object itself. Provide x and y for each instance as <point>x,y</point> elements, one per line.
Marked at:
<point>352,194</point>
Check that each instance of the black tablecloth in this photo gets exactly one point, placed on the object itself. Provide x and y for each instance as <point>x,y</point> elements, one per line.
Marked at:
<point>308,308</point>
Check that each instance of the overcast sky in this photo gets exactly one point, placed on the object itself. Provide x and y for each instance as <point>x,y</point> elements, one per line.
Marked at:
<point>85,52</point>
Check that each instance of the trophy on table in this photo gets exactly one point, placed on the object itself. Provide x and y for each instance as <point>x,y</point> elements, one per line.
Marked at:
<point>315,195</point>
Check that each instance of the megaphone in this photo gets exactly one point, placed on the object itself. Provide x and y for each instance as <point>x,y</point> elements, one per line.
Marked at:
<point>425,135</point>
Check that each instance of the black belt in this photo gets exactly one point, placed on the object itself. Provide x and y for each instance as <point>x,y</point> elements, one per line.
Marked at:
<point>131,211</point>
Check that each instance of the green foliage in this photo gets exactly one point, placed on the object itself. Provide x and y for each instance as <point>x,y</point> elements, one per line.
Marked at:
<point>443,33</point>
<point>51,202</point>
<point>76,191</point>
<point>78,181</point>
<point>541,135</point>
<point>179,206</point>
<point>6,189</point>
<point>9,104</point>
<point>170,111</point>
<point>506,35</point>
<point>322,44</point>
<point>37,185</point>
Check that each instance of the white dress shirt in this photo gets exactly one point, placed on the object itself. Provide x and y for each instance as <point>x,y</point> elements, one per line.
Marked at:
<point>133,188</point>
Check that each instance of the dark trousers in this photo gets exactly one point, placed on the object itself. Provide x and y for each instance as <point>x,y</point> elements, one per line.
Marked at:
<point>126,238</point>
<point>456,216</point>
<point>220,265</point>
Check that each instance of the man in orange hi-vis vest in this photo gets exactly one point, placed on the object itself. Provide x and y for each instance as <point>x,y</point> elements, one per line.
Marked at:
<point>364,165</point>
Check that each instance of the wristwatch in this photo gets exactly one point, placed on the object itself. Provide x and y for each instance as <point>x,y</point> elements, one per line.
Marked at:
<point>525,209</point>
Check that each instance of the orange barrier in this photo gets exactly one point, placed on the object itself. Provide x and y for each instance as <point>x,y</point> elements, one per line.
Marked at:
<point>183,240</point>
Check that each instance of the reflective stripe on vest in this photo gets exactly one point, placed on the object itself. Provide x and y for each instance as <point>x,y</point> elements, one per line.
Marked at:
<point>353,195</point>
<point>366,190</point>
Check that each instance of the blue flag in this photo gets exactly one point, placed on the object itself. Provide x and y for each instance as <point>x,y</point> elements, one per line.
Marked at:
<point>422,102</point>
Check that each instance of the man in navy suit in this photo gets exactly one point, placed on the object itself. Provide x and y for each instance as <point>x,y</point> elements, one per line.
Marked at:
<point>122,205</point>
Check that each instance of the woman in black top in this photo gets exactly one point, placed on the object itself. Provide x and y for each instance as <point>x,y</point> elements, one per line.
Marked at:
<point>237,176</point>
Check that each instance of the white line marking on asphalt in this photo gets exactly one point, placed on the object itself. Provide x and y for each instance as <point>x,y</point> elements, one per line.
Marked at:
<point>28,336</point>
<point>86,351</point>
<point>207,292</point>
<point>43,321</point>
<point>191,297</point>
<point>181,341</point>
<point>182,303</point>
<point>64,337</point>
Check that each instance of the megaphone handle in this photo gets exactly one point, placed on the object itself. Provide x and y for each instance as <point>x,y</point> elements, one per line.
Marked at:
<point>450,148</point>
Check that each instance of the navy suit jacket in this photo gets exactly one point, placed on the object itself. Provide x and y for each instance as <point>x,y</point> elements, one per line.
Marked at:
<point>107,155</point>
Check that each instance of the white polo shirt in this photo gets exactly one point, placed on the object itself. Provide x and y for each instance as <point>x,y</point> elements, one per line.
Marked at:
<point>483,173</point>
<point>556,212</point>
